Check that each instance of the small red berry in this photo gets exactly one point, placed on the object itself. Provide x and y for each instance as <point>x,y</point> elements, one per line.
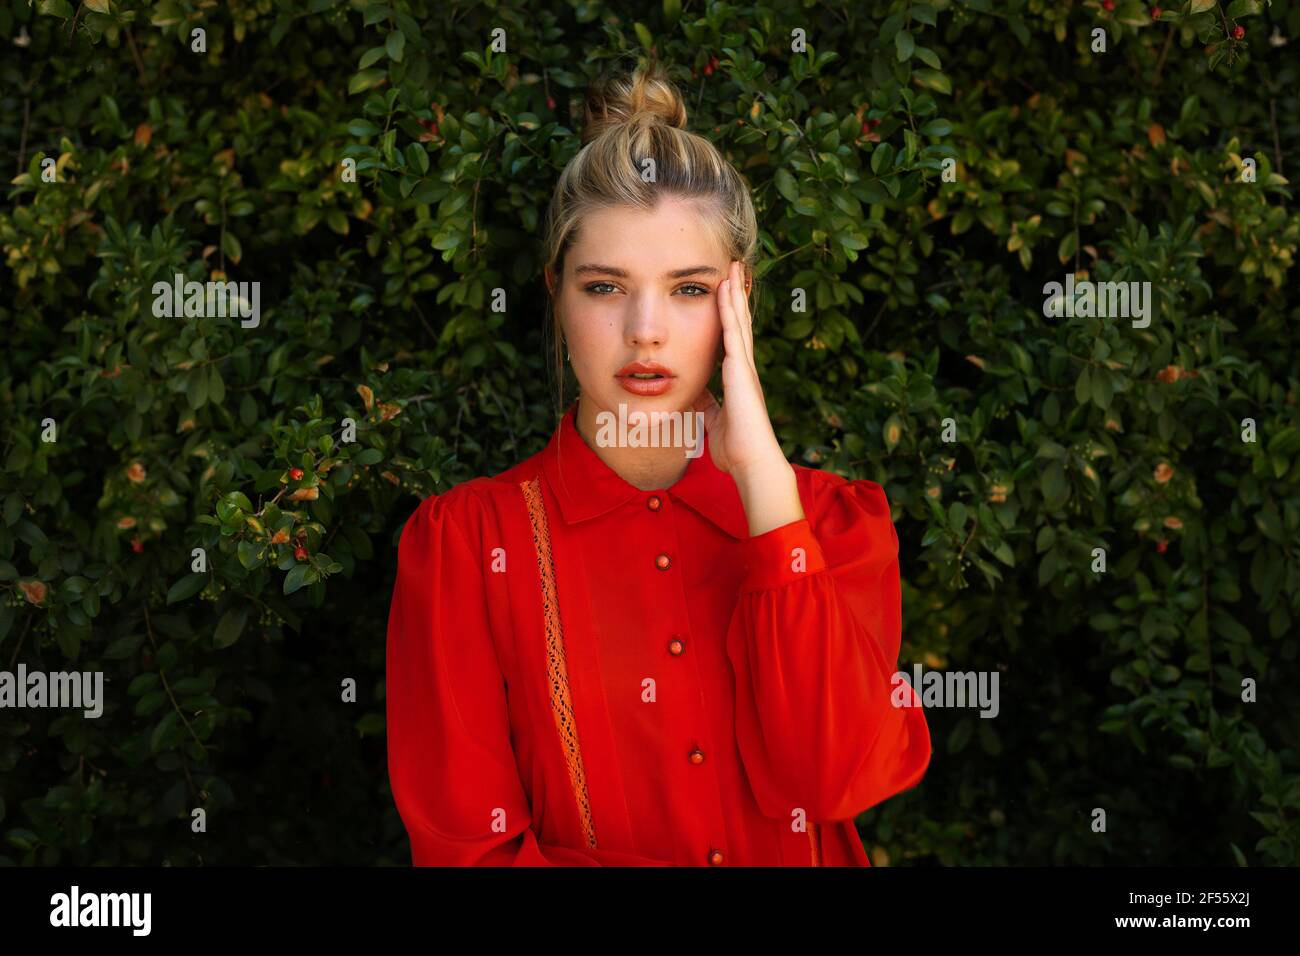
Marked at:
<point>1162,545</point>
<point>708,68</point>
<point>874,123</point>
<point>300,553</point>
<point>1238,32</point>
<point>295,474</point>
<point>137,545</point>
<point>866,128</point>
<point>550,103</point>
<point>1108,5</point>
<point>1155,13</point>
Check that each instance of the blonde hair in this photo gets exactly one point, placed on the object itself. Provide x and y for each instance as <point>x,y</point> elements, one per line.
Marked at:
<point>629,119</point>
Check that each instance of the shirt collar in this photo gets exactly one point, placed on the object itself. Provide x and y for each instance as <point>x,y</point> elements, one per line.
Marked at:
<point>587,487</point>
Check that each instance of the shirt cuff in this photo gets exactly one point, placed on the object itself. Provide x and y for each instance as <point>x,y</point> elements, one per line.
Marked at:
<point>782,556</point>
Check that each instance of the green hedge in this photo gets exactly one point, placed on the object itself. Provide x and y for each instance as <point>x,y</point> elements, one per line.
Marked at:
<point>925,322</point>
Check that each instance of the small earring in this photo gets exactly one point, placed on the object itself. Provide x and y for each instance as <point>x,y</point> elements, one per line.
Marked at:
<point>570,356</point>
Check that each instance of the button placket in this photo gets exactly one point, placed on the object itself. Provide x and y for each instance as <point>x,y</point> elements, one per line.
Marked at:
<point>676,647</point>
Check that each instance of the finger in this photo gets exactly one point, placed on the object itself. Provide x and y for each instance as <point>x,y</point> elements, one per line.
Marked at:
<point>741,305</point>
<point>738,309</point>
<point>732,338</point>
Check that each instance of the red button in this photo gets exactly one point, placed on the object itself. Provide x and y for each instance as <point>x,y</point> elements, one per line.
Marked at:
<point>715,857</point>
<point>663,562</point>
<point>697,756</point>
<point>654,503</point>
<point>675,647</point>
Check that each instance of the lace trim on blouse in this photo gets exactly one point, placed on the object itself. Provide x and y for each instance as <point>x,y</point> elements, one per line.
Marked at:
<point>556,670</point>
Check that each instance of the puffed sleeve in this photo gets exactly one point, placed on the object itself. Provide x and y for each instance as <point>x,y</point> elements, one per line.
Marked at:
<point>814,643</point>
<point>450,762</point>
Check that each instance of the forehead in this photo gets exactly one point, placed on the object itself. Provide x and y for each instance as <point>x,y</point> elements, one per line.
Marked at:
<point>648,242</point>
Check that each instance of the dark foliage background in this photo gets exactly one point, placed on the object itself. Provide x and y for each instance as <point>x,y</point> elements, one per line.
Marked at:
<point>1120,690</point>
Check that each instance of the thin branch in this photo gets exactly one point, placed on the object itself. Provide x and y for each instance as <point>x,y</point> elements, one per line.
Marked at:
<point>139,63</point>
<point>1277,146</point>
<point>162,673</point>
<point>26,627</point>
<point>1160,64</point>
<point>22,142</point>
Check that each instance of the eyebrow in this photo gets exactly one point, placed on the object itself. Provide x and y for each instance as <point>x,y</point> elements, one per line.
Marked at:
<point>595,268</point>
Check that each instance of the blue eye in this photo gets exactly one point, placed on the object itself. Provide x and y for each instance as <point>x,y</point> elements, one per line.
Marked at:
<point>700,290</point>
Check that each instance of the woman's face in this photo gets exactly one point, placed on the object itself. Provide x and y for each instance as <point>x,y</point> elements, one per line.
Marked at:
<point>641,287</point>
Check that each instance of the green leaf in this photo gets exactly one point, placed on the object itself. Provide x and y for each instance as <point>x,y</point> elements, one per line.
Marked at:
<point>150,702</point>
<point>418,156</point>
<point>161,730</point>
<point>786,185</point>
<point>1004,554</point>
<point>142,683</point>
<point>1200,6</point>
<point>296,578</point>
<point>1102,388</point>
<point>395,44</point>
<point>231,246</point>
<point>933,80</point>
<point>250,554</point>
<point>186,587</point>
<point>807,206</point>
<point>56,8</point>
<point>927,56</point>
<point>124,647</point>
<point>1054,486</point>
<point>643,35</point>
<point>1067,246</point>
<point>362,127</point>
<point>216,386</point>
<point>1243,8</point>
<point>230,627</point>
<point>371,57</point>
<point>904,44</point>
<point>882,157</point>
<point>960,735</point>
<point>366,80</point>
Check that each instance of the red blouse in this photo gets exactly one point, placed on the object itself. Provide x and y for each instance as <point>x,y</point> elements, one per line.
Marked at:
<point>581,673</point>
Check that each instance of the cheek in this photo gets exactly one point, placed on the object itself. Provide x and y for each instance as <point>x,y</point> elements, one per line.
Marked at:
<point>705,349</point>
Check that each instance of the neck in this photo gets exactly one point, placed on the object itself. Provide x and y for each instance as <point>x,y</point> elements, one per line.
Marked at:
<point>646,469</point>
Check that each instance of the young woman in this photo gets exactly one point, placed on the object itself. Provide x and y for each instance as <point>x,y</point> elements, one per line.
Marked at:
<point>625,653</point>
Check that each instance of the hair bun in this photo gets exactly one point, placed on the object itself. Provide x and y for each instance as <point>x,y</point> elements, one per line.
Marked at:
<point>644,96</point>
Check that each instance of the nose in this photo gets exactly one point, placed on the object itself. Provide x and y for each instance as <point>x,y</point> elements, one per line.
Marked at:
<point>645,324</point>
